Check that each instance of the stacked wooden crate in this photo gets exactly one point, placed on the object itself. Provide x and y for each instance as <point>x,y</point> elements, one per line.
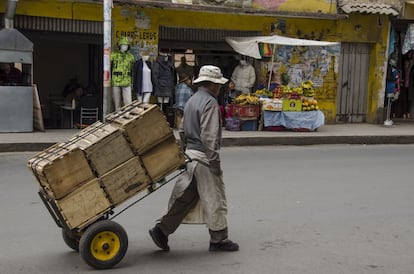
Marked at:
<point>105,164</point>
<point>151,138</point>
<point>64,173</point>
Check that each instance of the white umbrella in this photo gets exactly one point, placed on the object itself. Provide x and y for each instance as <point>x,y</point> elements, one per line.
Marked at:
<point>249,46</point>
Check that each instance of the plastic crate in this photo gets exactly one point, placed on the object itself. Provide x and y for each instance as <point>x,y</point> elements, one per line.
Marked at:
<point>246,110</point>
<point>248,124</point>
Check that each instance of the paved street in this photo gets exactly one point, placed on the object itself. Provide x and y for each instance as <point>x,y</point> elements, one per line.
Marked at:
<point>294,210</point>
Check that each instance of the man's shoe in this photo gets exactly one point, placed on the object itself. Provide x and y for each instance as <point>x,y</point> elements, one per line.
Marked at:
<point>159,238</point>
<point>224,246</point>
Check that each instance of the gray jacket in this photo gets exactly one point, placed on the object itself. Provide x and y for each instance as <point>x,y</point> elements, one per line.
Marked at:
<point>202,124</point>
<point>163,78</point>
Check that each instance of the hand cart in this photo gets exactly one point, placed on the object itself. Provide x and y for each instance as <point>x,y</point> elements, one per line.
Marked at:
<point>102,243</point>
<point>105,165</point>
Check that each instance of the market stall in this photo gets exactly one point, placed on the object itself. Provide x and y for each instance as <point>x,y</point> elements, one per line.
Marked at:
<point>282,107</point>
<point>16,93</point>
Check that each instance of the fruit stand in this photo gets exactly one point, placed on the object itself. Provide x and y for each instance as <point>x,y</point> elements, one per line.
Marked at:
<point>283,108</point>
<point>299,111</point>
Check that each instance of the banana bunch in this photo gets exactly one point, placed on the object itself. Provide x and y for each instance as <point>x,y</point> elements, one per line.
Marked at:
<point>286,89</point>
<point>263,93</point>
<point>297,90</point>
<point>247,99</point>
<point>307,87</point>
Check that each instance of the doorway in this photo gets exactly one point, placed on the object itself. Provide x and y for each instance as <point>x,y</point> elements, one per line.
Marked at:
<point>353,83</point>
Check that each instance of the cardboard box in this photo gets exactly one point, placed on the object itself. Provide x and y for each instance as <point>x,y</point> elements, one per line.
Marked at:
<point>272,105</point>
<point>105,146</point>
<point>144,125</point>
<point>60,169</point>
<point>86,203</point>
<point>292,105</point>
<point>163,159</point>
<point>125,180</point>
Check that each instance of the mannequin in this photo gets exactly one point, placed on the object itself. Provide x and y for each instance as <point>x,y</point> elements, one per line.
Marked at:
<point>392,89</point>
<point>244,77</point>
<point>121,64</point>
<point>185,68</point>
<point>163,79</point>
<point>142,79</point>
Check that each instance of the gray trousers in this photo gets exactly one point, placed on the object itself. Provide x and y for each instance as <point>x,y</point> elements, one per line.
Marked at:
<point>182,205</point>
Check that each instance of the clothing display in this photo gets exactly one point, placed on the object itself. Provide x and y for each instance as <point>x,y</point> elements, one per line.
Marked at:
<point>163,77</point>
<point>142,78</point>
<point>122,62</point>
<point>244,77</point>
<point>185,68</point>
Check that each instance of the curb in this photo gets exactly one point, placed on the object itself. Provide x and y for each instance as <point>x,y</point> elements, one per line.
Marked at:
<point>258,141</point>
<point>318,140</point>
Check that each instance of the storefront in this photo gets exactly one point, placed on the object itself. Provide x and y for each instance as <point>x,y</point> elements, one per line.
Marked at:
<point>67,39</point>
<point>400,64</point>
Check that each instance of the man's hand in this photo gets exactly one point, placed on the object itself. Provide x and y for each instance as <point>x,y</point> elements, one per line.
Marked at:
<point>215,168</point>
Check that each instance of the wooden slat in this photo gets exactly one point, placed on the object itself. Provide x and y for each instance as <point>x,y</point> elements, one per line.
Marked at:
<point>60,169</point>
<point>37,111</point>
<point>125,180</point>
<point>85,203</point>
<point>163,159</point>
<point>105,146</point>
<point>145,125</point>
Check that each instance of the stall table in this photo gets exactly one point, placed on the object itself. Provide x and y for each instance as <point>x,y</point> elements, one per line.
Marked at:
<point>302,120</point>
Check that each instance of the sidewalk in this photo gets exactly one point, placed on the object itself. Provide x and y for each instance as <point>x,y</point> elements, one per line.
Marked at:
<point>399,133</point>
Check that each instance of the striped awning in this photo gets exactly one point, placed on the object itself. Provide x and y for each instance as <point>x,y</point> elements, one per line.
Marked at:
<point>388,7</point>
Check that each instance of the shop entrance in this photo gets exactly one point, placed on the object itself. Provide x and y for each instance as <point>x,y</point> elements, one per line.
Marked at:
<point>353,83</point>
<point>202,46</point>
<point>402,107</point>
<point>60,58</point>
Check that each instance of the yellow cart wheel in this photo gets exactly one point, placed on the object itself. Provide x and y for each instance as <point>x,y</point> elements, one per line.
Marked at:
<point>104,244</point>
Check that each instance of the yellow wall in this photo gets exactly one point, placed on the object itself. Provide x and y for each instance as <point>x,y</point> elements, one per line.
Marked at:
<point>359,28</point>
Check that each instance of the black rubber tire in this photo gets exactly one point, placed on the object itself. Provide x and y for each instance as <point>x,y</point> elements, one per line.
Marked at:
<point>70,241</point>
<point>104,244</point>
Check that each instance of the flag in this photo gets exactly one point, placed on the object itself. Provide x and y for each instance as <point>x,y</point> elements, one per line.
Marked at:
<point>265,50</point>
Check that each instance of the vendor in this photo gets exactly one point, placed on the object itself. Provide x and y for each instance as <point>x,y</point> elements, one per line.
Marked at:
<point>244,76</point>
<point>273,82</point>
<point>9,75</point>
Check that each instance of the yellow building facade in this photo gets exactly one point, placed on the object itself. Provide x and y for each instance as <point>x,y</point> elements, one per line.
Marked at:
<point>316,20</point>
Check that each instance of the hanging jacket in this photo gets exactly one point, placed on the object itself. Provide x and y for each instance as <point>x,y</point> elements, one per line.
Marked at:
<point>137,76</point>
<point>121,68</point>
<point>163,78</point>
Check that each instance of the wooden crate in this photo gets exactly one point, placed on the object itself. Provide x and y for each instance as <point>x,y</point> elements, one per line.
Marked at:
<point>125,180</point>
<point>163,159</point>
<point>59,169</point>
<point>84,204</point>
<point>145,125</point>
<point>105,146</point>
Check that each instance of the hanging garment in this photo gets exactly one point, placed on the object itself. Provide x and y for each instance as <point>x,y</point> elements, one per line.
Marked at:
<point>408,39</point>
<point>121,64</point>
<point>163,78</point>
<point>142,77</point>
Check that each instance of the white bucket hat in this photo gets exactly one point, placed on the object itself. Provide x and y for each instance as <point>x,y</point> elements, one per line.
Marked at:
<point>211,74</point>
